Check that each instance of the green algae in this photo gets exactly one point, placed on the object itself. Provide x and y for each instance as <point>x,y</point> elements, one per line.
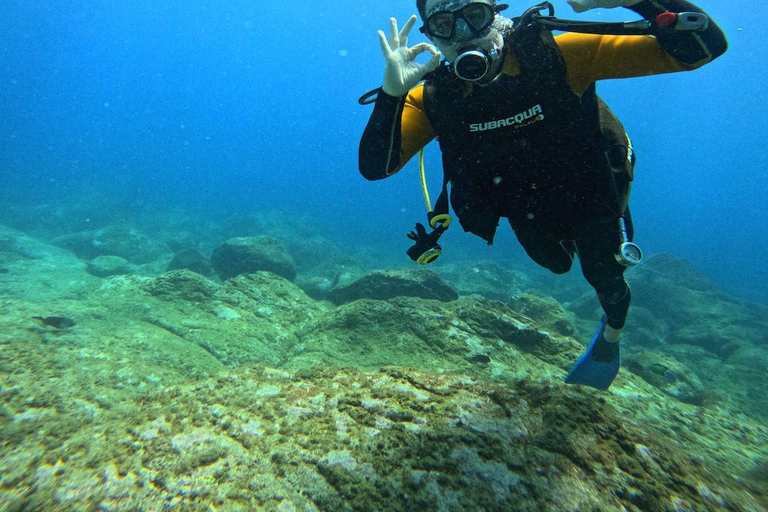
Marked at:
<point>180,392</point>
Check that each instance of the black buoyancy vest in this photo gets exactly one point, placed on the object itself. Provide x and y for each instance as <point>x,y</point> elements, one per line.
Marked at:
<point>525,147</point>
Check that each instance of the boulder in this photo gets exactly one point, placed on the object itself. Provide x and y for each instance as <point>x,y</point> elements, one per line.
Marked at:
<point>181,285</point>
<point>105,266</point>
<point>486,278</point>
<point>546,311</point>
<point>245,255</point>
<point>120,241</point>
<point>190,259</point>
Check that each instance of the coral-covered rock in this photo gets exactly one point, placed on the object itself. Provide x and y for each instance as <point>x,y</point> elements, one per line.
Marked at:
<point>387,284</point>
<point>245,255</point>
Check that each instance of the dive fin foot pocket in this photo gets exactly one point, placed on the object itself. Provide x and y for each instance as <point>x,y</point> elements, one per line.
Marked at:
<point>599,365</point>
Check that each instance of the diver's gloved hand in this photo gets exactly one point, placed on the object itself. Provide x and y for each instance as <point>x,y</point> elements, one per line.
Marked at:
<point>401,71</point>
<point>425,242</point>
<point>586,5</point>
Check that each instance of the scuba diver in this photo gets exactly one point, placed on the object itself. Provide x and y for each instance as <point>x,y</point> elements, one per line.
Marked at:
<point>524,136</point>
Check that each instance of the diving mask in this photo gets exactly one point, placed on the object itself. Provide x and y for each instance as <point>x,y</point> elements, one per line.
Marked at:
<point>465,22</point>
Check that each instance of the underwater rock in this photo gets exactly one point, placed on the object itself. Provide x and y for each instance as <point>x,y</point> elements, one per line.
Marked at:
<point>120,241</point>
<point>486,278</point>
<point>387,284</point>
<point>395,440</point>
<point>315,251</point>
<point>178,241</point>
<point>57,322</point>
<point>245,255</point>
<point>688,310</point>
<point>126,242</point>
<point>434,335</point>
<point>39,271</point>
<point>19,243</point>
<point>105,266</point>
<point>316,287</point>
<point>671,285</point>
<point>190,259</point>
<point>667,374</point>
<point>546,311</point>
<point>674,268</point>
<point>181,284</point>
<point>320,280</point>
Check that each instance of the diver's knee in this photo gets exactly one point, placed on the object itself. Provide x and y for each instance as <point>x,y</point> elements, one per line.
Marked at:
<point>617,292</point>
<point>559,269</point>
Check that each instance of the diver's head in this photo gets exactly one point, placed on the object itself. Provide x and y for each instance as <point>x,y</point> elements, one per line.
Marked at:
<point>470,33</point>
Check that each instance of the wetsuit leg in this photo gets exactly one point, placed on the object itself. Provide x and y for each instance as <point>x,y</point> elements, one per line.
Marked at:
<point>546,250</point>
<point>597,246</point>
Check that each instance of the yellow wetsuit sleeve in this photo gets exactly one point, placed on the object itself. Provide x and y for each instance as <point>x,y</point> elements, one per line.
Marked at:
<point>416,129</point>
<point>590,57</point>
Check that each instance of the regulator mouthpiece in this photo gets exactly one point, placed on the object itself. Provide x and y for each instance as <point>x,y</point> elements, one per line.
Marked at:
<point>472,64</point>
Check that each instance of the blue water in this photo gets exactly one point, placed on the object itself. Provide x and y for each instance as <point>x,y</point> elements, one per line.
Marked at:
<point>240,106</point>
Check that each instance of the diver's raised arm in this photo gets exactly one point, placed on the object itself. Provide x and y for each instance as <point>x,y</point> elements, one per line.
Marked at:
<point>690,47</point>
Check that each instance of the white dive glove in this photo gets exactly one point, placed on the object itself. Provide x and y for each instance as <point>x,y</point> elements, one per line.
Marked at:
<point>401,71</point>
<point>586,5</point>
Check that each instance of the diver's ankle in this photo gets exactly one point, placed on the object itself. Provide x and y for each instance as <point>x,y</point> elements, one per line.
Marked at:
<point>611,335</point>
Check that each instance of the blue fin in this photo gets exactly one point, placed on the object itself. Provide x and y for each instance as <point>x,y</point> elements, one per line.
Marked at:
<point>588,371</point>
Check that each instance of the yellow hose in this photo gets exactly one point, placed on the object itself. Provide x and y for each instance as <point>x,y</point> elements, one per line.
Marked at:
<point>424,180</point>
<point>443,219</point>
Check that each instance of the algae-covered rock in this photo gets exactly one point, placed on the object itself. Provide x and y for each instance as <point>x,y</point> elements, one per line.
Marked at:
<point>386,284</point>
<point>486,278</point>
<point>691,311</point>
<point>335,272</point>
<point>669,375</point>
<point>115,240</point>
<point>547,312</point>
<point>244,255</point>
<point>471,335</point>
<point>175,391</point>
<point>394,440</point>
<point>677,312</point>
<point>105,266</point>
<point>317,287</point>
<point>190,259</point>
<point>40,272</point>
<point>249,318</point>
<point>183,285</point>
